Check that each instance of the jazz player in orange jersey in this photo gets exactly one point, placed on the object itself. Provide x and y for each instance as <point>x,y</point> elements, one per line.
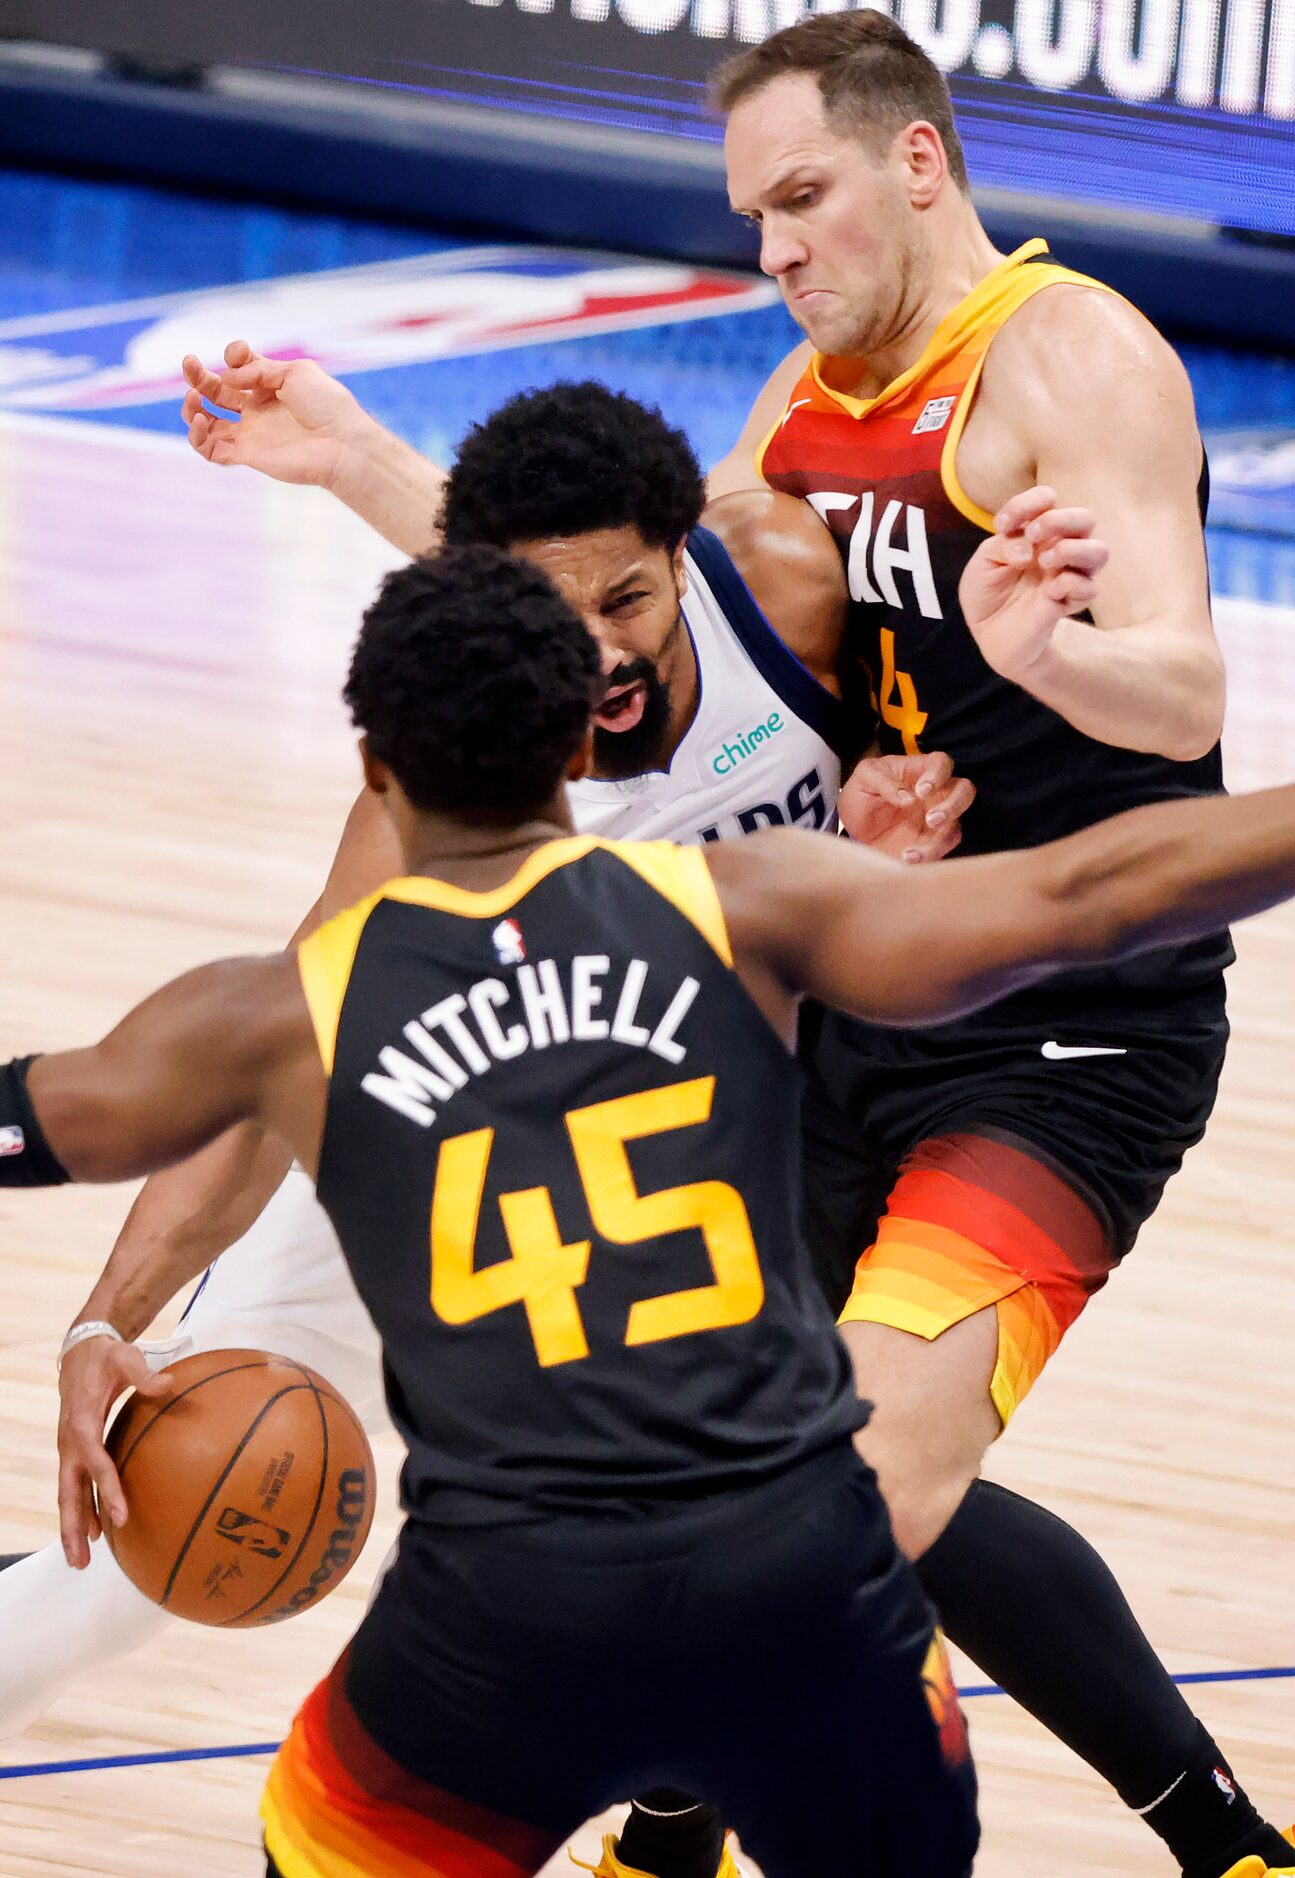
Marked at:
<point>978,1184</point>
<point>542,1082</point>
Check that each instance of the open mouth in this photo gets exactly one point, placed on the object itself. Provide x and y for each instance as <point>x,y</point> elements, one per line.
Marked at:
<point>623,707</point>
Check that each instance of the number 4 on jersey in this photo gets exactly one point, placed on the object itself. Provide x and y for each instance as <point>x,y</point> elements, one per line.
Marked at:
<point>897,705</point>
<point>544,1273</point>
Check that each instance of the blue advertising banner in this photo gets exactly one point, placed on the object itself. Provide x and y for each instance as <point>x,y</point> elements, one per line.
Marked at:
<point>1179,107</point>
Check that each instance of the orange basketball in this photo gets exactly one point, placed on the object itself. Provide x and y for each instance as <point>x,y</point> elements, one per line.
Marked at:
<point>249,1489</point>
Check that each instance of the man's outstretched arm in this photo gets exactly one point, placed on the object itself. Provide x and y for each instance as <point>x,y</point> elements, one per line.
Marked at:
<point>921,946</point>
<point>230,1043</point>
<point>290,420</point>
<point>213,1048</point>
<point>185,1216</point>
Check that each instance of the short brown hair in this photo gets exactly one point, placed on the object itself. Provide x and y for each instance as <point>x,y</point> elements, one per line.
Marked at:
<point>872,76</point>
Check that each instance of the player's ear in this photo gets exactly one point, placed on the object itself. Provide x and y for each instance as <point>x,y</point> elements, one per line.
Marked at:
<point>680,571</point>
<point>376,774</point>
<point>925,160</point>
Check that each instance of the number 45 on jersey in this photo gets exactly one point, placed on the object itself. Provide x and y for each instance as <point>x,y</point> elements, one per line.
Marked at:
<point>544,1273</point>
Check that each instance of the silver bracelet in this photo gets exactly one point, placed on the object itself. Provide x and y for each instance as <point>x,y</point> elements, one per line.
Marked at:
<point>82,1333</point>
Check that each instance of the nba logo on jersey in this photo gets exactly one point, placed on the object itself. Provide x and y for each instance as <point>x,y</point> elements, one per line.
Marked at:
<point>935,415</point>
<point>509,943</point>
<point>12,1141</point>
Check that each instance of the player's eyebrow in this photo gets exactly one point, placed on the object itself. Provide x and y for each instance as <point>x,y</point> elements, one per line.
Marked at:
<point>784,180</point>
<point>626,580</point>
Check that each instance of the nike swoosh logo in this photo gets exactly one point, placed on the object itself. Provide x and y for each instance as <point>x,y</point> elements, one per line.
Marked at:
<point>787,414</point>
<point>1058,1052</point>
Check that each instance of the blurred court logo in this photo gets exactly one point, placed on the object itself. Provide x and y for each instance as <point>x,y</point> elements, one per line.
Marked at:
<point>355,319</point>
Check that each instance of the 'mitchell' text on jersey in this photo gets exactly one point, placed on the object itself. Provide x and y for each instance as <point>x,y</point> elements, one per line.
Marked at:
<point>497,1020</point>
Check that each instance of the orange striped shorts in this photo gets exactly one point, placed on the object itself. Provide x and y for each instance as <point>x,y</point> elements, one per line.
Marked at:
<point>974,1222</point>
<point>337,1806</point>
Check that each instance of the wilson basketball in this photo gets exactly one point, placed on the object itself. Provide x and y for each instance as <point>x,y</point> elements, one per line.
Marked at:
<point>249,1489</point>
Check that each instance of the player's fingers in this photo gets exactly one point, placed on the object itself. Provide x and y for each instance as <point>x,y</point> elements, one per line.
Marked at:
<point>210,436</point>
<point>1085,557</point>
<point>935,772</point>
<point>1056,524</point>
<point>156,1384</point>
<point>77,1522</point>
<point>1021,510</point>
<point>924,846</point>
<point>1073,591</point>
<point>877,776</point>
<point>200,377</point>
<point>108,1490</point>
<point>263,375</point>
<point>224,392</point>
<point>952,803</point>
<point>1009,550</point>
<point>191,406</point>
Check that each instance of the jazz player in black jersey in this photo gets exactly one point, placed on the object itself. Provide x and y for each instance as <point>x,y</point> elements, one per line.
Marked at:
<point>975,1187</point>
<point>543,1083</point>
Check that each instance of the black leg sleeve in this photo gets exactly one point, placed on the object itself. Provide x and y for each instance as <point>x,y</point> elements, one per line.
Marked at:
<point>1034,1606</point>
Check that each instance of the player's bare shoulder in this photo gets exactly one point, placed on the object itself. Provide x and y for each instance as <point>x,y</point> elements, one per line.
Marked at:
<point>1074,370</point>
<point>1074,340</point>
<point>787,557</point>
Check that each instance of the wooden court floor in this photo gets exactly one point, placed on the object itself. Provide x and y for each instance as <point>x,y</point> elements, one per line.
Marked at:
<point>174,767</point>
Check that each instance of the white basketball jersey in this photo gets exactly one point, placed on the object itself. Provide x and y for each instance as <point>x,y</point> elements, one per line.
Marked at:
<point>760,752</point>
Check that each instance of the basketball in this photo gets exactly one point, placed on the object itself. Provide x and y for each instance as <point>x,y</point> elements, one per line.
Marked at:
<point>249,1489</point>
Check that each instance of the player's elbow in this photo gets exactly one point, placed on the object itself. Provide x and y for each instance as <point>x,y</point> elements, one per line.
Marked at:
<point>1197,724</point>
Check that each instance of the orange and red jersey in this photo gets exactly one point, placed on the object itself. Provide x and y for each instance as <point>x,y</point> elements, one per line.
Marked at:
<point>882,472</point>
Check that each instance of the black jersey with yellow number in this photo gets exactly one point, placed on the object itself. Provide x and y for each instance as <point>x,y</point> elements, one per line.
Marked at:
<point>882,472</point>
<point>560,1155</point>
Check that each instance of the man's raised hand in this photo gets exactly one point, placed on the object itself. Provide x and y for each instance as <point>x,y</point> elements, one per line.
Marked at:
<point>1038,568</point>
<point>93,1375</point>
<point>291,420</point>
<point>909,807</point>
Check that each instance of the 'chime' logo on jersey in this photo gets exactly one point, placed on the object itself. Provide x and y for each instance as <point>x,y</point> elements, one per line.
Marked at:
<point>876,556</point>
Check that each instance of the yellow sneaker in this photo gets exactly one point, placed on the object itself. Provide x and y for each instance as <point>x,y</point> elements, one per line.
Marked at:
<point>1255,1867</point>
<point>609,1866</point>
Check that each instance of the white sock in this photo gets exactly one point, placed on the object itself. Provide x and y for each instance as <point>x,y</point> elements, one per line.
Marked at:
<point>57,1624</point>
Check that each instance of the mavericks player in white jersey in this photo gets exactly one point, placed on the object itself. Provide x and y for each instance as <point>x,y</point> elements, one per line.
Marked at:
<point>713,725</point>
